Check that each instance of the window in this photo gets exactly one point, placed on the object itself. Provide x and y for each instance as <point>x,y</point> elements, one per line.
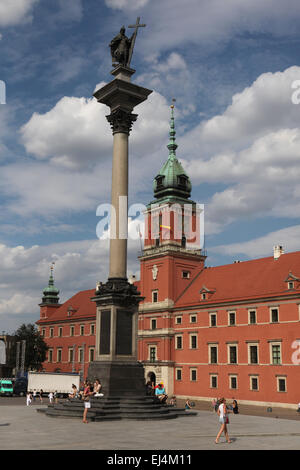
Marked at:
<point>193,319</point>
<point>186,274</point>
<point>193,375</point>
<point>80,355</point>
<point>178,374</point>
<point>232,352</point>
<point>274,315</point>
<point>231,318</point>
<point>51,332</point>
<point>252,317</point>
<point>178,320</point>
<point>60,331</point>
<point>81,330</point>
<point>71,355</point>
<point>276,353</point>
<point>59,355</point>
<point>233,382</point>
<point>291,285</point>
<point>253,354</point>
<point>153,324</point>
<point>213,319</point>
<point>92,329</point>
<point>50,355</point>
<point>214,381</point>
<point>155,296</point>
<point>43,332</point>
<point>193,341</point>
<point>178,340</point>
<point>254,383</point>
<point>203,296</point>
<point>281,384</point>
<point>72,329</point>
<point>91,354</point>
<point>152,353</point>
<point>213,354</point>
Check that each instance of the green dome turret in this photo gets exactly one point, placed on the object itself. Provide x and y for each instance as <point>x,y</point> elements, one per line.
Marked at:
<point>50,293</point>
<point>172,179</point>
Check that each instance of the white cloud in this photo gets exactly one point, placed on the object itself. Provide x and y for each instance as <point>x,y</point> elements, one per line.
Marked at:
<point>24,272</point>
<point>13,12</point>
<point>126,4</point>
<point>288,238</point>
<point>252,148</point>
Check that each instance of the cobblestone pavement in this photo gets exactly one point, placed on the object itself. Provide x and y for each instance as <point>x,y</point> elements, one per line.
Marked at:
<point>22,427</point>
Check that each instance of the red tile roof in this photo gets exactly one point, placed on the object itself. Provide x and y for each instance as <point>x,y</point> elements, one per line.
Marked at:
<point>81,305</point>
<point>258,278</point>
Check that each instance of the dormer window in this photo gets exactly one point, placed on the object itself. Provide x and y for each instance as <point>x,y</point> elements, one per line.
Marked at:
<point>203,296</point>
<point>186,274</point>
<point>292,281</point>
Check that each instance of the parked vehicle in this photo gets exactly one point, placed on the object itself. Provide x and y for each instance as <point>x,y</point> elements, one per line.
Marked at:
<point>20,387</point>
<point>6,387</point>
<point>52,382</point>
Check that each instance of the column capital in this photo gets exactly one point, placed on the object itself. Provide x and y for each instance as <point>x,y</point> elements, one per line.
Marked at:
<point>121,121</point>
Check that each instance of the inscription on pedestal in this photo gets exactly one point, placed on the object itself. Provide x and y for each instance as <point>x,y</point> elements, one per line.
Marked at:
<point>105,332</point>
<point>124,333</point>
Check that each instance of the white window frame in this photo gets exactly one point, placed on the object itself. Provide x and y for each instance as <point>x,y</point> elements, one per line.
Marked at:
<point>193,369</point>
<point>274,308</point>
<point>72,330</point>
<point>178,369</point>
<point>82,328</point>
<point>230,313</point>
<point>155,291</point>
<point>250,310</point>
<point>253,376</point>
<point>152,346</point>
<point>51,332</point>
<point>177,318</point>
<point>176,345</point>
<point>59,350</point>
<point>193,315</point>
<point>229,345</point>
<point>249,354</point>
<point>50,355</point>
<point>211,379</point>
<point>215,345</point>
<point>233,376</point>
<point>271,344</point>
<point>90,354</point>
<point>210,315</point>
<point>190,340</point>
<point>92,329</point>
<point>280,377</point>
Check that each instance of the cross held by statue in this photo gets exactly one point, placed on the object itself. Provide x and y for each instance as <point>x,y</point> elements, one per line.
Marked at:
<point>136,26</point>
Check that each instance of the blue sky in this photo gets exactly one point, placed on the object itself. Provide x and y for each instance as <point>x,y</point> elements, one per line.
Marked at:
<point>229,64</point>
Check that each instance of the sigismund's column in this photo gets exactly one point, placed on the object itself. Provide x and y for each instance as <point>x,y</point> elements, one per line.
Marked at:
<point>117,300</point>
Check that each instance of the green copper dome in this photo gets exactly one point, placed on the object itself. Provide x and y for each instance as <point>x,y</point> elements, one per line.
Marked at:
<point>51,292</point>
<point>172,179</point>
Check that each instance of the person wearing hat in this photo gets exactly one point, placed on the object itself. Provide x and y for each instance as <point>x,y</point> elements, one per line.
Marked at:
<point>160,393</point>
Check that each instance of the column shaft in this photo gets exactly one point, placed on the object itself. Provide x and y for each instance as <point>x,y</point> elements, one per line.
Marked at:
<point>119,224</point>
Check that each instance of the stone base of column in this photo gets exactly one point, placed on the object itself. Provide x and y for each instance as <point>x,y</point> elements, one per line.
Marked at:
<point>119,378</point>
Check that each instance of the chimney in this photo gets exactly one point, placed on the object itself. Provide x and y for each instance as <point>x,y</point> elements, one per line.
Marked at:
<point>277,251</point>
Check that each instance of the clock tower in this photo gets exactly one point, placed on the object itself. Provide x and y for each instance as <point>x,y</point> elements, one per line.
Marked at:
<point>171,258</point>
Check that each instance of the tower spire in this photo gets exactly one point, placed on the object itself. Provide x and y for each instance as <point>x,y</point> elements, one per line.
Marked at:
<point>172,146</point>
<point>51,292</point>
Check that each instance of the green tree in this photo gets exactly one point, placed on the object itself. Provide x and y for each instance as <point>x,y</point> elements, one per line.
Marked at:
<point>36,348</point>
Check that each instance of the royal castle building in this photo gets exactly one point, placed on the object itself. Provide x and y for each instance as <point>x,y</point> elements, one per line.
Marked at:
<point>206,332</point>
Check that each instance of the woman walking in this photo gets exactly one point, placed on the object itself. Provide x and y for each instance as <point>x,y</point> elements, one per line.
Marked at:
<point>224,420</point>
